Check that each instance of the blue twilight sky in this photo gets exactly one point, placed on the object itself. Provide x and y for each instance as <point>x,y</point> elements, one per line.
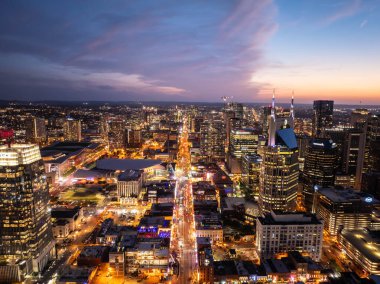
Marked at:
<point>190,50</point>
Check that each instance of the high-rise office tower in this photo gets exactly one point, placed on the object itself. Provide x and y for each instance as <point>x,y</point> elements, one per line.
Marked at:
<point>204,141</point>
<point>104,128</point>
<point>372,148</point>
<point>228,115</point>
<point>117,134</point>
<point>320,167</point>
<point>251,168</point>
<point>338,135</point>
<point>353,155</point>
<point>26,239</point>
<point>212,142</point>
<point>73,130</point>
<point>233,123</point>
<point>36,130</point>
<point>134,137</point>
<point>217,138</point>
<point>279,168</point>
<point>233,115</point>
<point>322,117</point>
<point>242,142</point>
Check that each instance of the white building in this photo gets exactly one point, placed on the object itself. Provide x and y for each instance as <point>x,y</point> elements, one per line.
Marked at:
<point>282,232</point>
<point>129,184</point>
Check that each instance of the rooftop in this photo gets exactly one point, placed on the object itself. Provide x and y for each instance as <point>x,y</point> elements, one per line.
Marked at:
<point>277,218</point>
<point>75,274</point>
<point>64,212</point>
<point>19,154</point>
<point>367,242</point>
<point>126,164</point>
<point>287,137</point>
<point>129,175</point>
<point>347,195</point>
<point>92,251</point>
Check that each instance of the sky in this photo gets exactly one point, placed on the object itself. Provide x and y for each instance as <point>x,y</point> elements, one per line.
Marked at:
<point>190,50</point>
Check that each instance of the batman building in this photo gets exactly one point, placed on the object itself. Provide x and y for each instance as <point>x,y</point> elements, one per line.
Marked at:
<point>279,168</point>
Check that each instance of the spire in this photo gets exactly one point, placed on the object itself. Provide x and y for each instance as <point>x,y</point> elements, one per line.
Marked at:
<point>273,109</point>
<point>292,105</point>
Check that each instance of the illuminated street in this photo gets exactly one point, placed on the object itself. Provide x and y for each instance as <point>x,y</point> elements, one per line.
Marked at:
<point>184,240</point>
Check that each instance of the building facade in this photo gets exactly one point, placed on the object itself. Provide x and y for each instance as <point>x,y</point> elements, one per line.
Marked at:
<point>363,247</point>
<point>322,117</point>
<point>345,209</point>
<point>280,166</point>
<point>279,232</point>
<point>36,130</point>
<point>72,130</point>
<point>128,187</point>
<point>26,238</point>
<point>319,169</point>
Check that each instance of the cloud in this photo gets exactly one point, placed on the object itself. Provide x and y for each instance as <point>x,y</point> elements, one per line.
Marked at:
<point>344,11</point>
<point>131,82</point>
<point>203,48</point>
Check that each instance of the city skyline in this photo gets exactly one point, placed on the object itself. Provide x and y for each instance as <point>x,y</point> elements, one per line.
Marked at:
<point>193,51</point>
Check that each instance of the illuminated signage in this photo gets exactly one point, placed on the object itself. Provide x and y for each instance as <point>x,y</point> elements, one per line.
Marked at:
<point>368,199</point>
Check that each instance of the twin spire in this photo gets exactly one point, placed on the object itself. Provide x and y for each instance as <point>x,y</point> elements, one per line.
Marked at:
<point>291,104</point>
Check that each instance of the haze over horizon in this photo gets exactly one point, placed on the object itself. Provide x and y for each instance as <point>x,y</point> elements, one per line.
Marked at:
<point>190,51</point>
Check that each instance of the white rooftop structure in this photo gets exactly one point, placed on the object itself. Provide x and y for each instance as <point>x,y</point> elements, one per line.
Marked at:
<point>126,164</point>
<point>19,154</point>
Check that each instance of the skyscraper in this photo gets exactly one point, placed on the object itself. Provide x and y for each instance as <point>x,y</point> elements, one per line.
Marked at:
<point>212,139</point>
<point>251,167</point>
<point>36,130</point>
<point>117,133</point>
<point>26,239</point>
<point>372,149</point>
<point>134,137</point>
<point>320,168</point>
<point>353,155</point>
<point>280,168</point>
<point>322,117</point>
<point>243,141</point>
<point>73,129</point>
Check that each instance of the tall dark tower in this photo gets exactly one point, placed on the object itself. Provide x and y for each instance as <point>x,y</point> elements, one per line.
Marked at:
<point>320,167</point>
<point>322,117</point>
<point>26,239</point>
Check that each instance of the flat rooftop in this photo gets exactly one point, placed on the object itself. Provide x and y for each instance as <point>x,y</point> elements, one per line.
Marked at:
<point>279,218</point>
<point>75,274</point>
<point>126,164</point>
<point>129,175</point>
<point>92,251</point>
<point>346,195</point>
<point>366,242</point>
<point>64,212</point>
